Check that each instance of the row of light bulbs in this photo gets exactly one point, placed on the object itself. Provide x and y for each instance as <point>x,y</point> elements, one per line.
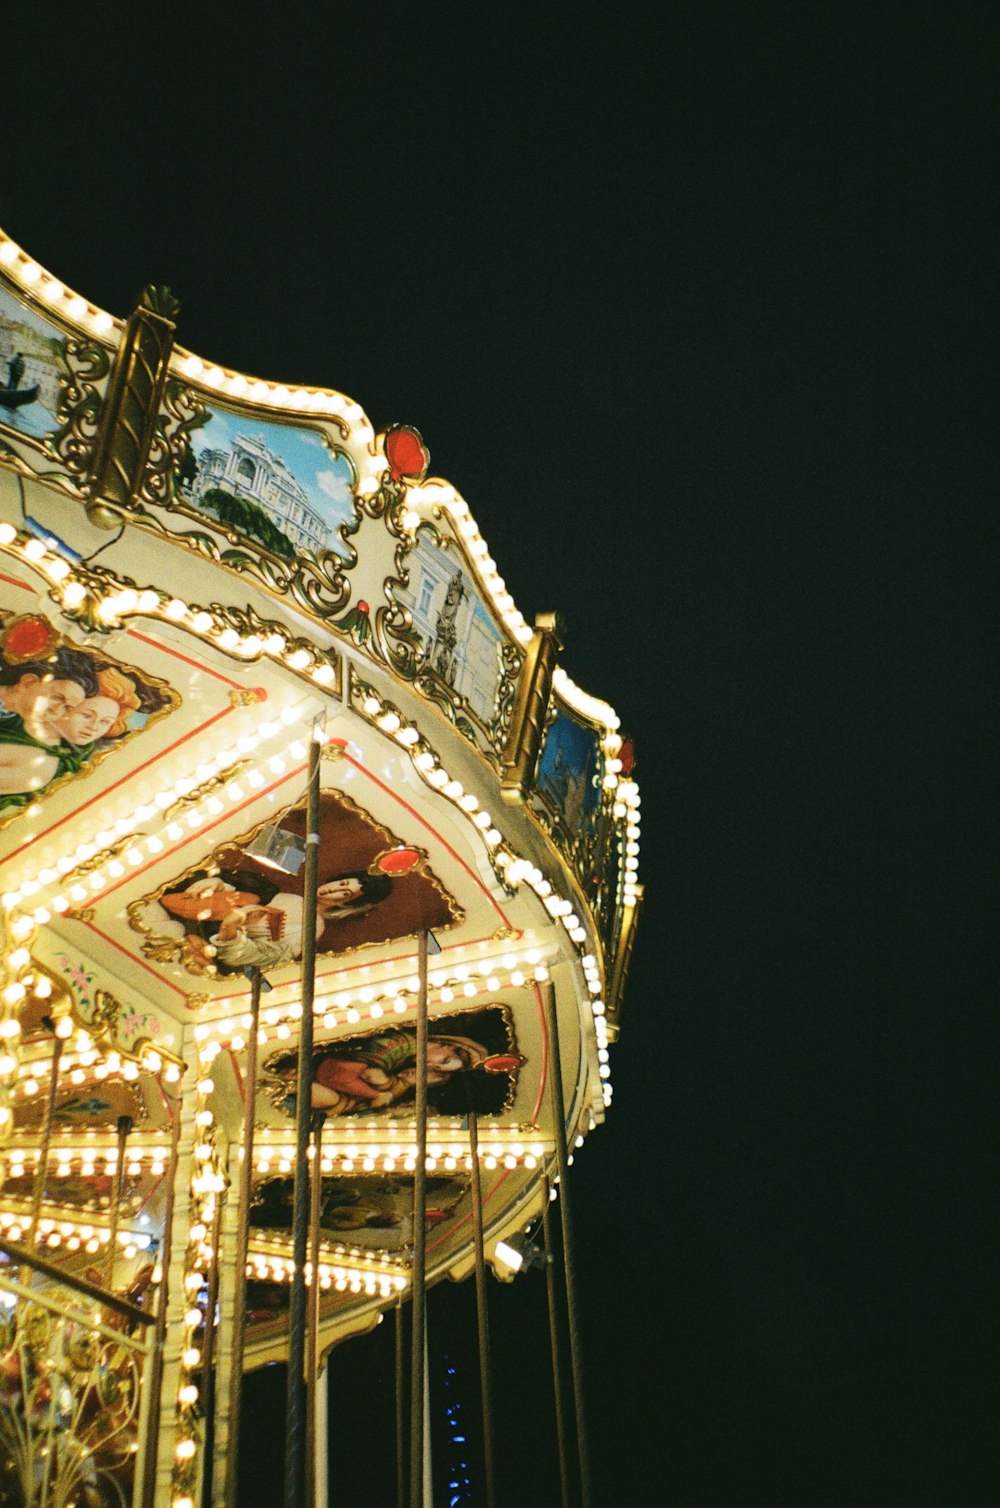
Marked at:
<point>430,493</point>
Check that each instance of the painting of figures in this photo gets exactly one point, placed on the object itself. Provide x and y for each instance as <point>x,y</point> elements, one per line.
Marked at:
<point>472,1064</point>
<point>240,911</point>
<point>374,1212</point>
<point>63,708</point>
<point>569,772</point>
<point>281,486</point>
<point>460,642</point>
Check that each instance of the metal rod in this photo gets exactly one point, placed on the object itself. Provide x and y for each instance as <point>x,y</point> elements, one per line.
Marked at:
<point>83,1286</point>
<point>419,1241</point>
<point>562,1161</point>
<point>295,1408</point>
<point>482,1310</point>
<point>207,1389</point>
<point>400,1421</point>
<point>155,1375</point>
<point>312,1314</point>
<point>125,1124</point>
<point>242,1245</point>
<point>42,1167</point>
<point>557,1385</point>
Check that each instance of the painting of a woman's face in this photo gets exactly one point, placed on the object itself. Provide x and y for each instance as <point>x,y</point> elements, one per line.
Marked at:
<point>37,699</point>
<point>88,721</point>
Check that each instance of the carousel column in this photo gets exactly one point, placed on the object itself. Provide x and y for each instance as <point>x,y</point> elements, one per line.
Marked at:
<point>163,1449</point>
<point>232,1251</point>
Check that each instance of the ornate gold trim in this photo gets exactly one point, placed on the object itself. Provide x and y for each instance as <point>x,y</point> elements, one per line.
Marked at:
<point>129,418</point>
<point>527,723</point>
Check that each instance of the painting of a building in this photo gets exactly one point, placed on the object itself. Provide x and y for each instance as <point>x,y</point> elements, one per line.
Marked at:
<point>459,638</point>
<point>251,470</point>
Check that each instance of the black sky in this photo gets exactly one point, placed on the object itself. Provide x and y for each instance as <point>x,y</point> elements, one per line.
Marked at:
<point>690,304</point>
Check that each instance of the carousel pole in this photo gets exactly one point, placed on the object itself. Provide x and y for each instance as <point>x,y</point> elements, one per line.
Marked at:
<point>562,1162</point>
<point>557,1387</point>
<point>242,1244</point>
<point>400,1407</point>
<point>312,1330</point>
<point>482,1311</point>
<point>419,1242</point>
<point>295,1409</point>
<point>42,1168</point>
<point>207,1389</point>
<point>125,1124</point>
<point>154,1378</point>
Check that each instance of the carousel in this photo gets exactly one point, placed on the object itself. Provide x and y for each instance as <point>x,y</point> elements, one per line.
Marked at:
<point>319,884</point>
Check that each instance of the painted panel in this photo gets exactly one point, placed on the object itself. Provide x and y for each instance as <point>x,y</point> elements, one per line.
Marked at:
<point>472,1064</point>
<point>51,383</point>
<point>281,487</point>
<point>63,708</point>
<point>461,646</point>
<point>372,1212</point>
<point>239,911</point>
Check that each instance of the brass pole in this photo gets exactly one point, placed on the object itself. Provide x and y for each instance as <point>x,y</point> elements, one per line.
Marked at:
<point>242,1244</point>
<point>312,1328</point>
<point>125,1124</point>
<point>295,1406</point>
<point>557,1387</point>
<point>419,1242</point>
<point>562,1161</point>
<point>42,1168</point>
<point>400,1424</point>
<point>482,1311</point>
<point>154,1378</point>
<point>207,1389</point>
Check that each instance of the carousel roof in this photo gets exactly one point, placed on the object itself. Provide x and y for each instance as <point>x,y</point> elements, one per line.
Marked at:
<point>202,572</point>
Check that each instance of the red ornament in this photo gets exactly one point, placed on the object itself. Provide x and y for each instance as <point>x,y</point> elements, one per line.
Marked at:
<point>503,1062</point>
<point>397,860</point>
<point>29,638</point>
<point>627,756</point>
<point>406,453</point>
<point>363,607</point>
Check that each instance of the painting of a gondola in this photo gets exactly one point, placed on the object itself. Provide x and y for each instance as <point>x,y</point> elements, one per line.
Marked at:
<point>32,365</point>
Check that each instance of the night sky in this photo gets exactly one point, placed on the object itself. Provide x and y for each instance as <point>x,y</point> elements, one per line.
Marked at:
<point>690,304</point>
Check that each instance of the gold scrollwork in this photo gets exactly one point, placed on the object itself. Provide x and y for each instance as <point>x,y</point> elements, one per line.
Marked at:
<point>86,364</point>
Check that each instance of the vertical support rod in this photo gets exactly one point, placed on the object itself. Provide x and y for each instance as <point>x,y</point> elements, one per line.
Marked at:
<point>207,1388</point>
<point>482,1311</point>
<point>562,1161</point>
<point>557,1386</point>
<point>41,1171</point>
<point>419,1242</point>
<point>242,1244</point>
<point>312,1310</point>
<point>400,1424</point>
<point>296,1397</point>
<point>154,1377</point>
<point>125,1124</point>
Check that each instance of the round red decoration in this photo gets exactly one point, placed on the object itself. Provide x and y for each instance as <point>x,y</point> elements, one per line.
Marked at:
<point>397,860</point>
<point>28,638</point>
<point>627,756</point>
<point>503,1062</point>
<point>363,607</point>
<point>406,453</point>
